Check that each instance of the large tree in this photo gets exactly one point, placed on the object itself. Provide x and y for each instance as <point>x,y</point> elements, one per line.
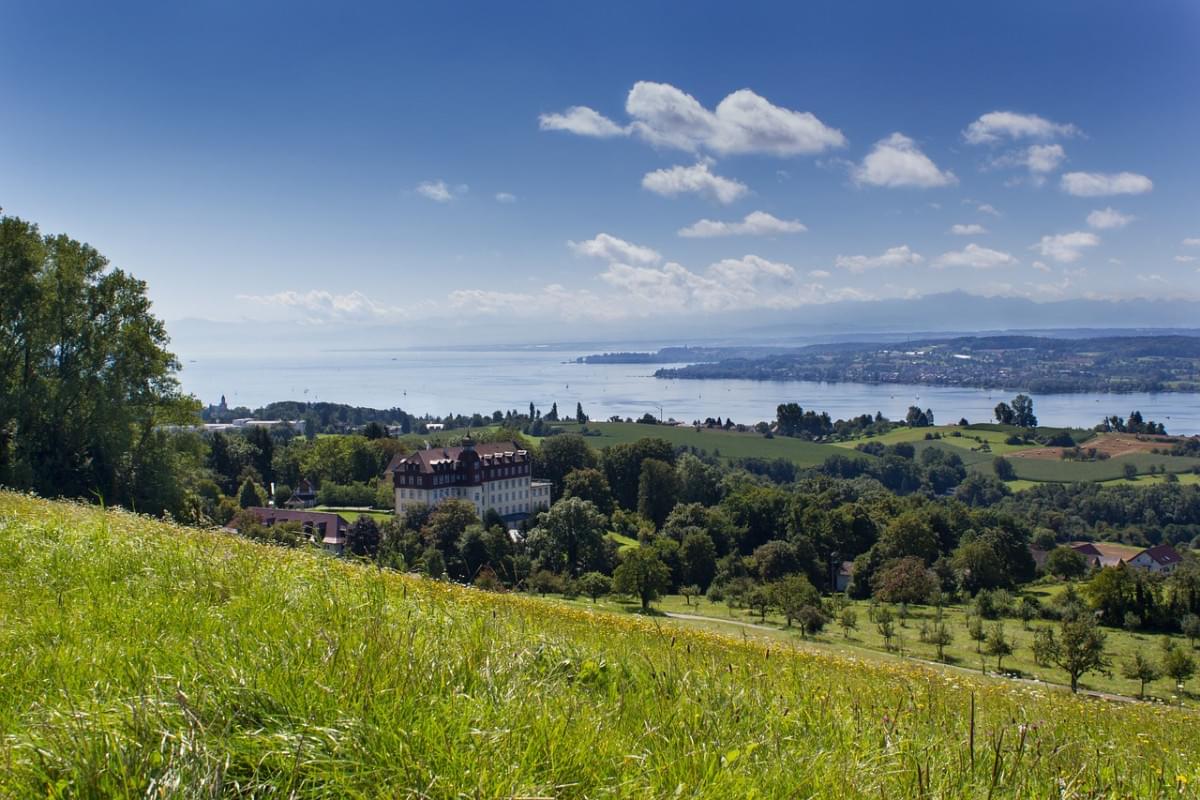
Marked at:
<point>560,455</point>
<point>575,529</point>
<point>86,381</point>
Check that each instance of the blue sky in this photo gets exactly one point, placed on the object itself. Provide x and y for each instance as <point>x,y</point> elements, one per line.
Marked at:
<point>382,164</point>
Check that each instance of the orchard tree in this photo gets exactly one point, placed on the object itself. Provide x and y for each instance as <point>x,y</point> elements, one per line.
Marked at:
<point>792,594</point>
<point>595,585</point>
<point>997,644</point>
<point>848,621</point>
<point>1080,649</point>
<point>1177,663</point>
<point>1141,669</point>
<point>642,574</point>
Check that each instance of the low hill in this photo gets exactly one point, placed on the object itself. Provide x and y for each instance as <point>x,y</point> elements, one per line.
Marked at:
<point>141,658</point>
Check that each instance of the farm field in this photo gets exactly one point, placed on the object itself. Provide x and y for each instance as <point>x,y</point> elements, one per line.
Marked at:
<point>730,444</point>
<point>1038,469</point>
<point>141,658</point>
<point>960,653</point>
<point>962,438</point>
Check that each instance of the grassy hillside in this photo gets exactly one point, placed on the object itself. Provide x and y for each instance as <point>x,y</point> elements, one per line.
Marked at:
<point>730,444</point>
<point>138,658</point>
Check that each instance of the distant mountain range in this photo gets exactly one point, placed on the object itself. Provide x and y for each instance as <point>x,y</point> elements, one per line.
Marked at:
<point>876,320</point>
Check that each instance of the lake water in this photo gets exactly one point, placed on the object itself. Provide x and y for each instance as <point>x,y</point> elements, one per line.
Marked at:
<point>465,381</point>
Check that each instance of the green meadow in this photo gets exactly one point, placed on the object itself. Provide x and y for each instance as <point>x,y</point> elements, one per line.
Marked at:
<point>728,444</point>
<point>142,659</point>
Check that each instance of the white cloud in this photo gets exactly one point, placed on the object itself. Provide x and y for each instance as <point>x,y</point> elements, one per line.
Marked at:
<point>697,179</point>
<point>1040,266</point>
<point>322,306</point>
<point>1191,242</point>
<point>819,274</point>
<point>733,284</point>
<point>756,223</point>
<point>986,208</point>
<point>997,125</point>
<point>1185,259</point>
<point>437,191</point>
<point>1066,247</point>
<point>505,197</point>
<point>971,229</point>
<point>610,248</point>
<point>897,161</point>
<point>1097,184</point>
<point>975,257</point>
<point>743,122</point>
<point>1106,218</point>
<point>1044,157</point>
<point>1039,159</point>
<point>582,121</point>
<point>898,256</point>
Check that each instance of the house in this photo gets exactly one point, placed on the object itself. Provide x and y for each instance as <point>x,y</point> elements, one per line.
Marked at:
<point>844,574</point>
<point>1162,558</point>
<point>495,476</point>
<point>303,496</point>
<point>324,527</point>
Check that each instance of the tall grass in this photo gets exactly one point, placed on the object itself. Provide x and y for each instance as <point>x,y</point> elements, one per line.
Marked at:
<point>142,659</point>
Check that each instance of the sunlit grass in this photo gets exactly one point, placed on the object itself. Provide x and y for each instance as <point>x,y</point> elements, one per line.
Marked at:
<point>142,659</point>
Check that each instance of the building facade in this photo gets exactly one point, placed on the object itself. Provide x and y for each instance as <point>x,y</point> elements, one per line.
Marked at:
<point>495,476</point>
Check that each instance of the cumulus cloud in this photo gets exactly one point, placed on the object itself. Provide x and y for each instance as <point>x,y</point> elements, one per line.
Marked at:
<point>819,274</point>
<point>1185,259</point>
<point>1039,159</point>
<point>610,248</point>
<point>897,161</point>
<point>1066,247</point>
<point>975,257</point>
<point>1040,266</point>
<point>986,208</point>
<point>319,305</point>
<point>582,121</point>
<point>1191,242</point>
<point>733,284</point>
<point>505,197</point>
<point>744,122</point>
<point>898,256</point>
<point>696,179</point>
<point>1106,218</point>
<point>996,126</point>
<point>970,229</point>
<point>1098,184</point>
<point>437,191</point>
<point>1044,157</point>
<point>756,223</point>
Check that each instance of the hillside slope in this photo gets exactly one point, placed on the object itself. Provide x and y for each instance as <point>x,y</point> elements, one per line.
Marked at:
<point>139,658</point>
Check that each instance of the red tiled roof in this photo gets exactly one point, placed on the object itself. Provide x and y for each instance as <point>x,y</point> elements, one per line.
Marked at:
<point>1164,554</point>
<point>492,452</point>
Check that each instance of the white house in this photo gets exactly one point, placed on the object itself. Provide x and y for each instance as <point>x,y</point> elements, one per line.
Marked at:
<point>495,476</point>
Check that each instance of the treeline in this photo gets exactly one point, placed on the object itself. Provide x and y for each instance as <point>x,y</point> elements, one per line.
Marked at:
<point>86,380</point>
<point>704,528</point>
